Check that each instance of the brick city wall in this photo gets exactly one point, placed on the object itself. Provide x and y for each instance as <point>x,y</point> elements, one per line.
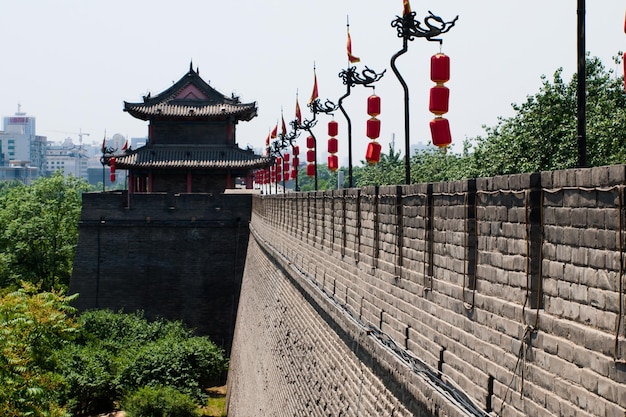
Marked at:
<point>498,295</point>
<point>178,256</point>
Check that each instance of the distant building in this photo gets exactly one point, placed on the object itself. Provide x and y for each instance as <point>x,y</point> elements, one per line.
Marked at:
<point>68,158</point>
<point>19,142</point>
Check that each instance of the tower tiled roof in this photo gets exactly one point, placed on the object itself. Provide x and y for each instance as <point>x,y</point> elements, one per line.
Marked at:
<point>191,157</point>
<point>191,98</point>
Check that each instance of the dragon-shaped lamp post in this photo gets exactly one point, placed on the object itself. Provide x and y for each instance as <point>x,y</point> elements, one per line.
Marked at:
<point>316,107</point>
<point>350,79</point>
<point>291,137</point>
<point>107,153</point>
<point>408,29</point>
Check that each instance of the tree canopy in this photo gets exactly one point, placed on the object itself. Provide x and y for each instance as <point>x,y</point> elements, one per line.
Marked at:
<point>39,231</point>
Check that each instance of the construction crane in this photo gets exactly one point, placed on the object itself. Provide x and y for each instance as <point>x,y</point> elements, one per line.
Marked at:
<point>80,134</point>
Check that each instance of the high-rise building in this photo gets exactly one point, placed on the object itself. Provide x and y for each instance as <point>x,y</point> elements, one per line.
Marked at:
<point>19,142</point>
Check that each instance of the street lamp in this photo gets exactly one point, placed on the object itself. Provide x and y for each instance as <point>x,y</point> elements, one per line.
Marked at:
<point>408,29</point>
<point>350,79</point>
<point>316,107</point>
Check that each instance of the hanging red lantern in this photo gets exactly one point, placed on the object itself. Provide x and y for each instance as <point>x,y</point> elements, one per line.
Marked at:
<point>279,177</point>
<point>310,156</point>
<point>333,128</point>
<point>333,145</point>
<point>286,175</point>
<point>294,173</point>
<point>333,163</point>
<point>440,132</point>
<point>295,161</point>
<point>440,68</point>
<point>310,142</point>
<point>286,157</point>
<point>373,128</point>
<point>286,167</point>
<point>112,178</point>
<point>372,155</point>
<point>296,150</point>
<point>310,170</point>
<point>373,105</point>
<point>439,97</point>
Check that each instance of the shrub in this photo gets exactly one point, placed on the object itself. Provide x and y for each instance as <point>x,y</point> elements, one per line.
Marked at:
<point>159,401</point>
<point>118,353</point>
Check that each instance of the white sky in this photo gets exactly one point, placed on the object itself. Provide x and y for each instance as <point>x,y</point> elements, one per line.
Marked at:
<point>72,63</point>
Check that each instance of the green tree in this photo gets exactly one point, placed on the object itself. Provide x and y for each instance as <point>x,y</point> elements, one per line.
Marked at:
<point>389,170</point>
<point>542,134</point>
<point>33,325</point>
<point>39,231</point>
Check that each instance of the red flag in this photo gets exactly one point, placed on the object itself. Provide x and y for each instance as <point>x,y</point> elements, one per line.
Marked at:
<point>314,94</point>
<point>125,146</point>
<point>351,57</point>
<point>407,8</point>
<point>267,141</point>
<point>298,113</point>
<point>104,140</point>
<point>283,126</point>
<point>274,132</point>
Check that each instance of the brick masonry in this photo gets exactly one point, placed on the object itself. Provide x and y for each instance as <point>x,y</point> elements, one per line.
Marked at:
<point>509,288</point>
<point>178,256</point>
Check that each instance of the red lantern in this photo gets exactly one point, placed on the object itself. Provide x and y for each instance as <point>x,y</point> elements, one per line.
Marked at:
<point>373,105</point>
<point>440,68</point>
<point>333,163</point>
<point>286,174</point>
<point>372,155</point>
<point>333,145</point>
<point>279,177</point>
<point>286,167</point>
<point>294,173</point>
<point>440,132</point>
<point>112,176</point>
<point>439,97</point>
<point>310,142</point>
<point>310,170</point>
<point>296,150</point>
<point>333,128</point>
<point>373,128</point>
<point>310,156</point>
<point>286,157</point>
<point>295,161</point>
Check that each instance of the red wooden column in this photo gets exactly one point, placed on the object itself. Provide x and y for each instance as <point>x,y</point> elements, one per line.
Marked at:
<point>189,182</point>
<point>150,182</point>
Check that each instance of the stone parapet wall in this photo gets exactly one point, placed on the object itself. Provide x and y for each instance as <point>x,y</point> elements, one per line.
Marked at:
<point>510,287</point>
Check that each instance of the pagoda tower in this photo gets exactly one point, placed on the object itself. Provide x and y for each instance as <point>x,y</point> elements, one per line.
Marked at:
<point>192,144</point>
<point>174,243</point>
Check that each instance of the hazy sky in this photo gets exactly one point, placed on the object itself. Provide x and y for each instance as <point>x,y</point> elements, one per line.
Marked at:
<point>72,63</point>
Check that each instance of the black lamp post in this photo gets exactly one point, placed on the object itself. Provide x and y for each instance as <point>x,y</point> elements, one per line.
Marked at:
<point>408,29</point>
<point>350,79</point>
<point>581,88</point>
<point>107,153</point>
<point>316,107</point>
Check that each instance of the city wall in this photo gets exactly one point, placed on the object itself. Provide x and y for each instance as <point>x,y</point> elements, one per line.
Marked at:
<point>500,295</point>
<point>177,256</point>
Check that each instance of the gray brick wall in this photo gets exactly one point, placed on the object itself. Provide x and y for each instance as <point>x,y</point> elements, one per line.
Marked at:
<point>511,287</point>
